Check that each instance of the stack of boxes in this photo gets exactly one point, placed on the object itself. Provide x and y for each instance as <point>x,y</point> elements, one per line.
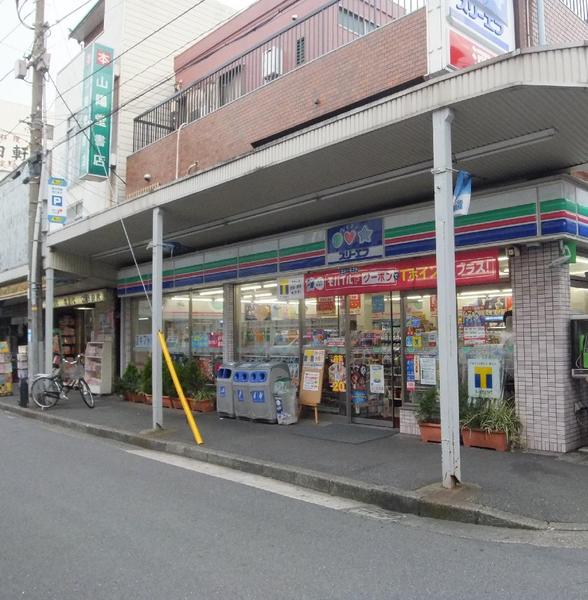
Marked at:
<point>22,363</point>
<point>5,370</point>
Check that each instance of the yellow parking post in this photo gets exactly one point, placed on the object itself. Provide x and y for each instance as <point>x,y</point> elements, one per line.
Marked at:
<point>179,390</point>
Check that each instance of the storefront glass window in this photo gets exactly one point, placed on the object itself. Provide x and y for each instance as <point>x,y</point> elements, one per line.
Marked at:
<point>324,327</point>
<point>376,381</point>
<point>268,327</point>
<point>140,331</point>
<point>207,329</point>
<point>176,323</point>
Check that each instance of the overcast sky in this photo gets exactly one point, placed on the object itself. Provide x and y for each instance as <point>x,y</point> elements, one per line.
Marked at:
<point>16,39</point>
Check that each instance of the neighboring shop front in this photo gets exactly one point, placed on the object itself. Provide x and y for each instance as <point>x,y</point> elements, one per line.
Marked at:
<point>365,292</point>
<point>86,323</point>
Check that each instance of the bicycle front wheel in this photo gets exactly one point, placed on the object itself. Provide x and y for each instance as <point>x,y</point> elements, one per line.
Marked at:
<point>86,393</point>
<point>45,392</point>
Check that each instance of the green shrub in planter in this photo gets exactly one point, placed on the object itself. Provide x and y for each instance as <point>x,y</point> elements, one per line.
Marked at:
<point>427,408</point>
<point>146,376</point>
<point>131,380</point>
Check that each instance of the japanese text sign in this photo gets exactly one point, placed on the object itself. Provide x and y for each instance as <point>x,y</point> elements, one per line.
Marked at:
<point>471,268</point>
<point>56,204</point>
<point>97,106</point>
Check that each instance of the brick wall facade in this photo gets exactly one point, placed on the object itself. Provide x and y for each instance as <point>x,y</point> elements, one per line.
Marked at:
<point>545,391</point>
<point>562,26</point>
<point>373,64</point>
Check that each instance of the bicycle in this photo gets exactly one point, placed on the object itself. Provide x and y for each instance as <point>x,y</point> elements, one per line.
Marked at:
<point>47,390</point>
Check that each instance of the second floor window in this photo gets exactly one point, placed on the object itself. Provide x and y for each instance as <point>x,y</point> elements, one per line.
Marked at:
<point>230,85</point>
<point>354,22</point>
<point>300,51</point>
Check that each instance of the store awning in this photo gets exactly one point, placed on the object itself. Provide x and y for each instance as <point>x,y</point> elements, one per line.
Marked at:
<point>517,117</point>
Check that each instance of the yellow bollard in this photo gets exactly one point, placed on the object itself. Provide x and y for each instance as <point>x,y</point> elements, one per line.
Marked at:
<point>179,390</point>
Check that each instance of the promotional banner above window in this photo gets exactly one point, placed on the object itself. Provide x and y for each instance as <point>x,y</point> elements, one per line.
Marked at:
<point>94,142</point>
<point>471,268</point>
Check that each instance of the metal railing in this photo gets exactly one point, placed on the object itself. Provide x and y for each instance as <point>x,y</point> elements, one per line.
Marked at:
<point>578,7</point>
<point>330,27</point>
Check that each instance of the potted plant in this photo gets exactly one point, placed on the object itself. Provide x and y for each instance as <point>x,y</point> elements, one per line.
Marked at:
<point>428,416</point>
<point>194,381</point>
<point>492,424</point>
<point>146,380</point>
<point>203,401</point>
<point>130,384</point>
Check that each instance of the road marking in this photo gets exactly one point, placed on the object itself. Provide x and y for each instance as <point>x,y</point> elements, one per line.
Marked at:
<point>266,484</point>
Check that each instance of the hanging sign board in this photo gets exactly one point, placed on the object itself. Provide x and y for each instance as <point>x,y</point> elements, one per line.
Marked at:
<point>291,288</point>
<point>360,240</point>
<point>56,204</point>
<point>471,268</point>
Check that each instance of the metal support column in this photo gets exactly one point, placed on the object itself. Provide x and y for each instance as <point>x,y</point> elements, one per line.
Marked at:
<point>541,22</point>
<point>157,316</point>
<point>446,297</point>
<point>49,307</point>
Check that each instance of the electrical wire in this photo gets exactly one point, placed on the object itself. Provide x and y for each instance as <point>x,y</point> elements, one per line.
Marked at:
<point>69,14</point>
<point>97,149</point>
<point>18,9</point>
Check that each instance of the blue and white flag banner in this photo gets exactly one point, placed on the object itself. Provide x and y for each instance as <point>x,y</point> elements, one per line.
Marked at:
<point>462,194</point>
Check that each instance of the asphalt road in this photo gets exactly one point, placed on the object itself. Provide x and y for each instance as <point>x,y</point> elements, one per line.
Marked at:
<point>85,518</point>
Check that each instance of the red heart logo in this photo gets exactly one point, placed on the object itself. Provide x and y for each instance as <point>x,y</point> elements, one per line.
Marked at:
<point>349,237</point>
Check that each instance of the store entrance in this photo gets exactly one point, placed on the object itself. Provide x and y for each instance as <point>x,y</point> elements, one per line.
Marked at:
<point>375,365</point>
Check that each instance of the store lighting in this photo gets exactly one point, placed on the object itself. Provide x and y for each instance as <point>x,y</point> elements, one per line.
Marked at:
<point>247,297</point>
<point>414,297</point>
<point>507,291</point>
<point>270,285</point>
<point>503,258</point>
<point>84,308</point>
<point>582,260</point>
<point>210,292</point>
<point>144,318</point>
<point>246,288</point>
<point>181,298</point>
<point>218,300</point>
<point>263,294</point>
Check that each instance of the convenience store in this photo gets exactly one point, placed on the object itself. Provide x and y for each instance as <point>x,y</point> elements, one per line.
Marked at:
<point>364,290</point>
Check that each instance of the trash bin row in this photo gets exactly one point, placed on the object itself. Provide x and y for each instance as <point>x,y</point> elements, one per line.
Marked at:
<point>256,391</point>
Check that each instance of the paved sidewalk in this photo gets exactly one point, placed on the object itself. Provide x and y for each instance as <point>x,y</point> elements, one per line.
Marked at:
<point>546,488</point>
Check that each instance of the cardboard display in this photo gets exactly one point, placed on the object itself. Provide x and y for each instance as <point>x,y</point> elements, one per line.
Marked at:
<point>312,376</point>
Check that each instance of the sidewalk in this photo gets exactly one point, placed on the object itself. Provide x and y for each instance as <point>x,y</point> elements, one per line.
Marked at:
<point>371,464</point>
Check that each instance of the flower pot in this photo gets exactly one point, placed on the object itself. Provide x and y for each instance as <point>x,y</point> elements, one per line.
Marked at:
<point>176,403</point>
<point>166,402</point>
<point>202,406</point>
<point>477,438</point>
<point>148,399</point>
<point>134,397</point>
<point>430,432</point>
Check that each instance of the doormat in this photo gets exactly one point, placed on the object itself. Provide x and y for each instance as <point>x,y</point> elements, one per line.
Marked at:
<point>346,434</point>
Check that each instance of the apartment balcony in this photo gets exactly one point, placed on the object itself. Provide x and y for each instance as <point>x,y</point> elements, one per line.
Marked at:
<point>344,54</point>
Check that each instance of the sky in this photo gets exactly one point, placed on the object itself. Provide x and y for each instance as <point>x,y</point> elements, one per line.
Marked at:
<point>16,40</point>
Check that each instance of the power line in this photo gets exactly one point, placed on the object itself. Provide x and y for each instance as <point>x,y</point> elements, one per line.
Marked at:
<point>69,14</point>
<point>154,32</point>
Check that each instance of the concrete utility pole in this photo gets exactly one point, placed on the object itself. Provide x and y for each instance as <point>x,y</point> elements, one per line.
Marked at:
<point>157,317</point>
<point>446,297</point>
<point>37,62</point>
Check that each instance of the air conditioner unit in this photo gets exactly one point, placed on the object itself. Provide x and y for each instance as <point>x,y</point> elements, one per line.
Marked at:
<point>272,63</point>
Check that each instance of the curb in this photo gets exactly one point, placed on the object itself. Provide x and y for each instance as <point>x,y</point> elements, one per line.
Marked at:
<point>386,497</point>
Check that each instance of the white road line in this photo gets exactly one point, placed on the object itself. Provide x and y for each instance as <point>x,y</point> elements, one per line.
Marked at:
<point>288,490</point>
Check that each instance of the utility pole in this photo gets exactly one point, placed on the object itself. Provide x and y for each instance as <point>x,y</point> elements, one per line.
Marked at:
<point>38,63</point>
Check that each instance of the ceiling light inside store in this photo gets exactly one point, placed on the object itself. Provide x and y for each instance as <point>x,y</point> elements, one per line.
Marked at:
<point>270,285</point>
<point>211,292</point>
<point>181,298</point>
<point>262,294</point>
<point>84,308</point>
<point>414,297</point>
<point>250,287</point>
<point>503,258</point>
<point>144,318</point>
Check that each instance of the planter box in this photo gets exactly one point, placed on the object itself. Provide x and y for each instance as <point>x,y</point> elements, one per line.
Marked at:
<point>134,397</point>
<point>147,399</point>
<point>430,432</point>
<point>176,403</point>
<point>202,406</point>
<point>476,438</point>
<point>166,402</point>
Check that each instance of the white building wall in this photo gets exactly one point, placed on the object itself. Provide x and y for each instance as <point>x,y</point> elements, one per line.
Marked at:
<point>14,207</point>
<point>125,25</point>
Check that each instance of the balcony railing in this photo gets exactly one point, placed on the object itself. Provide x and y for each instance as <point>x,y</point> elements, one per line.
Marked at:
<point>330,27</point>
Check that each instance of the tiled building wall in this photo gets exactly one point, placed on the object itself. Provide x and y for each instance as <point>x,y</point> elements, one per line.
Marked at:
<point>545,391</point>
<point>373,64</point>
<point>562,25</point>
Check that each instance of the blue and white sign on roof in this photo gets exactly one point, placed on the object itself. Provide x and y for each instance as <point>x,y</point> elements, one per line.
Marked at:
<point>360,240</point>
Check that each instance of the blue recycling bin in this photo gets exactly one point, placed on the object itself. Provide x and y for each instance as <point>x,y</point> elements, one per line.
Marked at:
<point>225,404</point>
<point>241,396</point>
<point>262,378</point>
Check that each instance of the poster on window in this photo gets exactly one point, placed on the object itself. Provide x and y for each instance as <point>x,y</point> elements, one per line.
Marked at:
<point>428,370</point>
<point>337,373</point>
<point>311,381</point>
<point>377,379</point>
<point>484,378</point>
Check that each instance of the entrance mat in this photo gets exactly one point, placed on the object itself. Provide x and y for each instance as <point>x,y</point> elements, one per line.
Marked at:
<point>346,434</point>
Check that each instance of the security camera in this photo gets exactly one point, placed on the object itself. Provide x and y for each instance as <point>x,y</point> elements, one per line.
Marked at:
<point>147,177</point>
<point>513,251</point>
<point>294,17</point>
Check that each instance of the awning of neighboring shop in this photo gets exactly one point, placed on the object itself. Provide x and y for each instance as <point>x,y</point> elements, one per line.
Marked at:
<point>14,290</point>
<point>373,158</point>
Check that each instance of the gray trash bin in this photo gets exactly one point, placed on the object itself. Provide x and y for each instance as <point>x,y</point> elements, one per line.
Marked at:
<point>241,396</point>
<point>225,404</point>
<point>286,400</point>
<point>261,388</point>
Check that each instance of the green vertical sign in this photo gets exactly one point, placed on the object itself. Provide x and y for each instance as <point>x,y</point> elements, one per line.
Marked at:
<point>97,91</point>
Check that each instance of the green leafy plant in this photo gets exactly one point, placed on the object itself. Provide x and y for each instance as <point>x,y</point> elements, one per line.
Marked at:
<point>192,378</point>
<point>130,382</point>
<point>427,408</point>
<point>146,376</point>
<point>495,415</point>
<point>167,384</point>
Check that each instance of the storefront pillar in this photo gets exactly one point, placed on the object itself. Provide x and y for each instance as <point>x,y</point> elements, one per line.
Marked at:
<point>157,317</point>
<point>49,308</point>
<point>229,318</point>
<point>446,296</point>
